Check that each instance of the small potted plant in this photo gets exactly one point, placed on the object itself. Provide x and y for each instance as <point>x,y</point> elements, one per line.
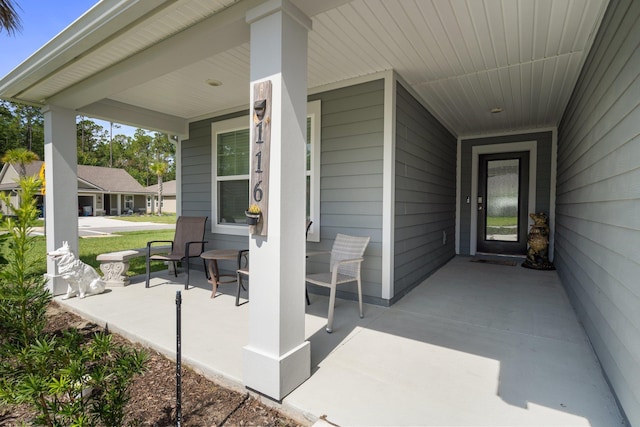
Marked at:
<point>253,214</point>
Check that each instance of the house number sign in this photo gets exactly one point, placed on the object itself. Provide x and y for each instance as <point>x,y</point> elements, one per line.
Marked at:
<point>261,145</point>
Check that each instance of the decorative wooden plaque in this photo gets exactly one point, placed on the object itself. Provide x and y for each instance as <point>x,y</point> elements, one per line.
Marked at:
<point>260,149</point>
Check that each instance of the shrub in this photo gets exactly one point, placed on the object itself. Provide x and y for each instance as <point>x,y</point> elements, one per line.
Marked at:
<point>68,380</point>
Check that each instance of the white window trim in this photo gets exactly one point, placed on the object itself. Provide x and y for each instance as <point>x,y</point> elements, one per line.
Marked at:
<point>314,112</point>
<point>224,126</point>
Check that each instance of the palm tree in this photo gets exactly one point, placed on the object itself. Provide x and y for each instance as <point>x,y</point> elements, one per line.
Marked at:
<point>159,168</point>
<point>9,19</point>
<point>21,156</point>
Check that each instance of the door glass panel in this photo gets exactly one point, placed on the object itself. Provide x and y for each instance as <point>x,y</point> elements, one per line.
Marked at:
<point>502,200</point>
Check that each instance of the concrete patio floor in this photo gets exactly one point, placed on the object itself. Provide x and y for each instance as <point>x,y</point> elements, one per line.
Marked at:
<point>474,345</point>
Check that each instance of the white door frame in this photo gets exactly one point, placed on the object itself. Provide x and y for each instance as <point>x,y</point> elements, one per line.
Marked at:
<point>476,152</point>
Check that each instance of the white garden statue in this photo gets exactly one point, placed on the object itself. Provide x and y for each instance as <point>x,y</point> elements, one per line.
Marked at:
<point>82,279</point>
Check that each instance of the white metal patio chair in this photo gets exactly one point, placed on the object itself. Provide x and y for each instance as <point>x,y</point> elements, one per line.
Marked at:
<point>344,267</point>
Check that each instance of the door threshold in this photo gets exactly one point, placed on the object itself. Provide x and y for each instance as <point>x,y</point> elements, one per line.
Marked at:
<point>489,254</point>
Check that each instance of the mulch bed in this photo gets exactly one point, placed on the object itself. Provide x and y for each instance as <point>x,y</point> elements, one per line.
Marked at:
<point>153,394</point>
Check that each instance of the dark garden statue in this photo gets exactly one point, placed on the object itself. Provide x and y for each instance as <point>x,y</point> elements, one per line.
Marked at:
<point>538,243</point>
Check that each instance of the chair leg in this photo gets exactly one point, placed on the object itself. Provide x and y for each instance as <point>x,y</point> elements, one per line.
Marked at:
<point>332,303</point>
<point>148,272</point>
<point>175,268</point>
<point>186,269</point>
<point>206,270</point>
<point>306,294</point>
<point>239,280</point>
<point>240,287</point>
<point>360,297</point>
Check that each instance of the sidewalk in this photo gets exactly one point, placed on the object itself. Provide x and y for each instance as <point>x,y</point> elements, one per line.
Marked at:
<point>97,226</point>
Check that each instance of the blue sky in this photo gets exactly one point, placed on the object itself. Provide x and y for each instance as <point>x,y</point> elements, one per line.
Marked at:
<point>42,20</point>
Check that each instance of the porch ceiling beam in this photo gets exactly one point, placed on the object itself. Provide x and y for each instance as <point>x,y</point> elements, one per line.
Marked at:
<point>211,36</point>
<point>128,114</point>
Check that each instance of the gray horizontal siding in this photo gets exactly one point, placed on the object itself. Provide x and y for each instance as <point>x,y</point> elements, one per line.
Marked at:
<point>598,201</point>
<point>351,179</point>
<point>425,194</point>
<point>543,177</point>
<point>350,183</point>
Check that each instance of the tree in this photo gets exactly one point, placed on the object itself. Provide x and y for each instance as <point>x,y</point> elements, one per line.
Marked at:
<point>144,149</point>
<point>159,168</point>
<point>92,143</point>
<point>9,19</point>
<point>22,157</point>
<point>21,126</point>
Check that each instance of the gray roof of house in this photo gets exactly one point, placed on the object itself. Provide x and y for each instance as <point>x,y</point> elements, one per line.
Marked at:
<point>168,188</point>
<point>109,180</point>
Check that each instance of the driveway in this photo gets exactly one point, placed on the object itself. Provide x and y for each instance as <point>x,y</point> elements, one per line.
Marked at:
<point>89,226</point>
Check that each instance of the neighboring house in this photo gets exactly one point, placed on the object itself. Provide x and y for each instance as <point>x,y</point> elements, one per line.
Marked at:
<point>101,191</point>
<point>168,197</point>
<point>412,107</point>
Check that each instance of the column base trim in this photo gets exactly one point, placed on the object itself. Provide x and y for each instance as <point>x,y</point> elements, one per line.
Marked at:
<point>276,377</point>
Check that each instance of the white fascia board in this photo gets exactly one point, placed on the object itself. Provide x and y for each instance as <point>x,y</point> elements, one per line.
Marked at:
<point>104,20</point>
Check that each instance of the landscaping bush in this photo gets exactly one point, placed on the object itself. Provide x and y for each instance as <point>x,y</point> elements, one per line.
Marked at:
<point>67,379</point>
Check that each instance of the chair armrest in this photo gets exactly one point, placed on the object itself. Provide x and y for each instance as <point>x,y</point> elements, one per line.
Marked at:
<point>348,261</point>
<point>159,241</point>
<point>187,245</point>
<point>149,244</point>
<point>337,264</point>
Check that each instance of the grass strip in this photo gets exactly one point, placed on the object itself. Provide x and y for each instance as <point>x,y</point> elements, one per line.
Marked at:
<point>90,248</point>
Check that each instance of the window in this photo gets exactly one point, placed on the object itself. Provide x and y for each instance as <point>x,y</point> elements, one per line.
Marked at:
<point>231,151</point>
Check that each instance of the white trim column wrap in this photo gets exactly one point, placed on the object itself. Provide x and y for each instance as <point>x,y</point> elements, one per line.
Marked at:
<point>61,176</point>
<point>277,358</point>
<point>389,187</point>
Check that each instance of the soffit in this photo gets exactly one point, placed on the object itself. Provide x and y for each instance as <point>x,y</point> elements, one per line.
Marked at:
<point>461,58</point>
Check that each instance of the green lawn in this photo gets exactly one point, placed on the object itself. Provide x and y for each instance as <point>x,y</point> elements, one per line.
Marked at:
<point>498,221</point>
<point>159,219</point>
<point>90,248</point>
<point>38,223</point>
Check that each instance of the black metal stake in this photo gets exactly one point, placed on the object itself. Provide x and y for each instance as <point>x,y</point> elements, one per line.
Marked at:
<point>178,361</point>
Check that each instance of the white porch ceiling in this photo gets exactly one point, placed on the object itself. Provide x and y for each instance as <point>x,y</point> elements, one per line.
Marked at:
<point>461,58</point>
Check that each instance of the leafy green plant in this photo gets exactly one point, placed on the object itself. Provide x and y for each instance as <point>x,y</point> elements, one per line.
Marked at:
<point>67,379</point>
<point>23,296</point>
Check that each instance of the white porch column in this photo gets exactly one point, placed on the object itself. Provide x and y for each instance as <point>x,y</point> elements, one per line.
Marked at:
<point>277,358</point>
<point>61,176</point>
